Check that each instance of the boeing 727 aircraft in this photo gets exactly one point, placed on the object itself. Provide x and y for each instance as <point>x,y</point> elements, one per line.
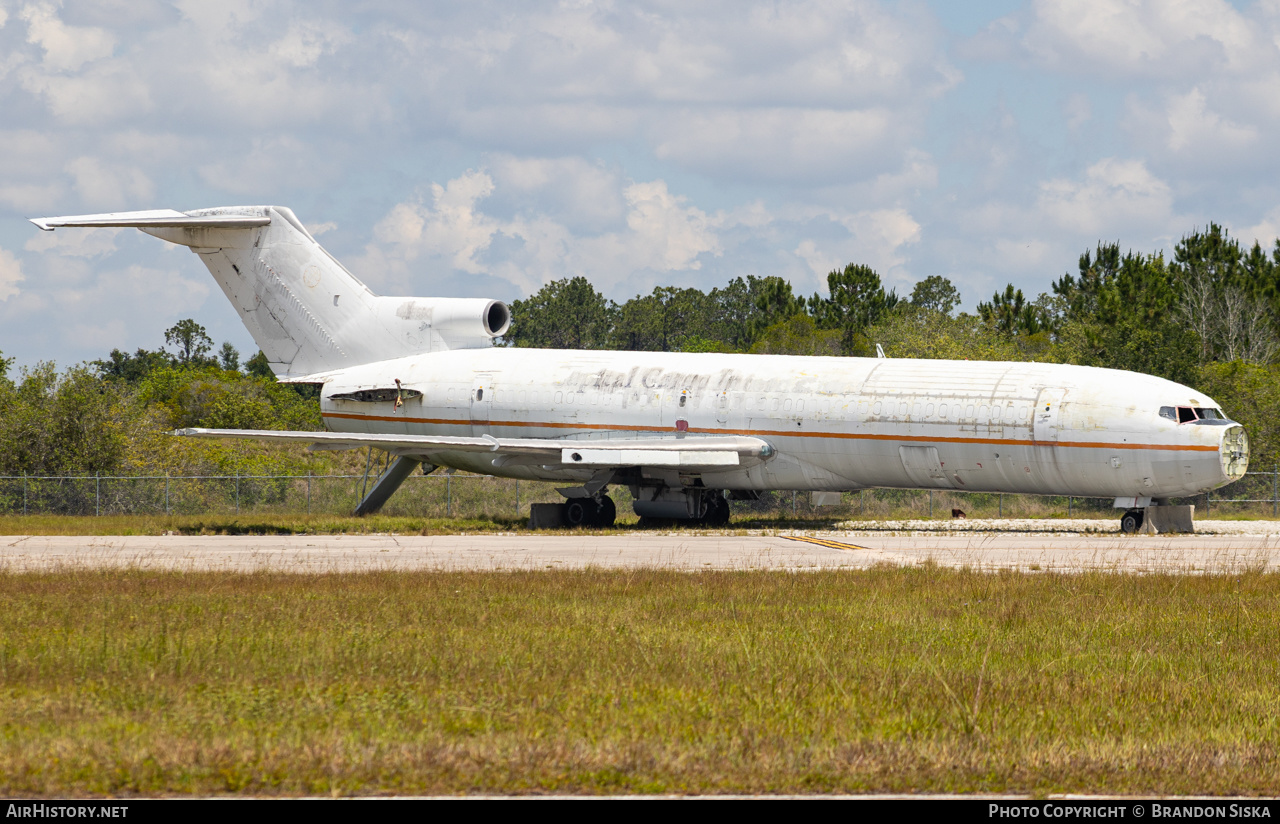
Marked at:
<point>420,378</point>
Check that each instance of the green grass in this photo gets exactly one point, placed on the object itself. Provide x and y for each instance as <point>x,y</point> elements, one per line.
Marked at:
<point>889,680</point>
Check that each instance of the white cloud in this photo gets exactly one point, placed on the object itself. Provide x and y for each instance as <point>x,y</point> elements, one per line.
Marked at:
<point>318,229</point>
<point>875,237</point>
<point>10,274</point>
<point>85,243</point>
<point>580,193</point>
<point>1078,111</point>
<point>110,91</point>
<point>1153,38</point>
<point>662,233</point>
<point>66,48</point>
<point>1191,125</point>
<point>306,42</point>
<point>109,186</point>
<point>1116,195</point>
<point>1265,231</point>
<point>30,198</point>
<point>451,227</point>
<point>782,143</point>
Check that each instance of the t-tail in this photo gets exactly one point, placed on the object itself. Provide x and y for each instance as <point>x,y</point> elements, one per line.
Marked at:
<point>307,313</point>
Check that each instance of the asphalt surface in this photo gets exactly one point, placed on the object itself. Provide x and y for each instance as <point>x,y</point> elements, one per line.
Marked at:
<point>1062,552</point>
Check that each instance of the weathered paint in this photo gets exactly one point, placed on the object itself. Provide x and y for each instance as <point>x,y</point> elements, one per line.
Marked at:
<point>843,421</point>
<point>832,423</point>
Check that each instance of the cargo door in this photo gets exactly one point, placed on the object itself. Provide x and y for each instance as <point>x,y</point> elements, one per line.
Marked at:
<point>1045,419</point>
<point>481,404</point>
<point>923,467</point>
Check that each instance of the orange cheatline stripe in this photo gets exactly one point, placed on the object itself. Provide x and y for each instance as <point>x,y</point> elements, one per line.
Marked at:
<point>853,436</point>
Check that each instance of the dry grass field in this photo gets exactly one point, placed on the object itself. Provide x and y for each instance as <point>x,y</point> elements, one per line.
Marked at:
<point>926,679</point>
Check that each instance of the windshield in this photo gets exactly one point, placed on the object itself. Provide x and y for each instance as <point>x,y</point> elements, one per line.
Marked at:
<point>1194,414</point>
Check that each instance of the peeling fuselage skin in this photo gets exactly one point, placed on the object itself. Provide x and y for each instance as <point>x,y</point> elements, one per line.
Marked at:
<point>834,423</point>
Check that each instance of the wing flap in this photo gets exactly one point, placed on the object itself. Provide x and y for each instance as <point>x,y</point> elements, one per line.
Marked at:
<point>152,219</point>
<point>686,452</point>
<point>647,457</point>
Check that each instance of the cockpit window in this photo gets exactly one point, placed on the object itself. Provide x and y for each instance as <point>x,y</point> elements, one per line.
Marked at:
<point>1195,414</point>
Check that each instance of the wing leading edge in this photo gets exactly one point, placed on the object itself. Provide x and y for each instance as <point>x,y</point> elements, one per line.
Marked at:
<point>683,452</point>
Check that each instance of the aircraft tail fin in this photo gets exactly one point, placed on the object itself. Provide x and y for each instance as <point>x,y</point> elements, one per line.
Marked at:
<point>307,313</point>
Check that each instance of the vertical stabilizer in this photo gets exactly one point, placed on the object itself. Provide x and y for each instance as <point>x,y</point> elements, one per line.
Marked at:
<point>305,311</point>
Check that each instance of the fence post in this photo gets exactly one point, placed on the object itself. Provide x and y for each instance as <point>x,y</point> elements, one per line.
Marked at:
<point>97,493</point>
<point>24,492</point>
<point>166,493</point>
<point>237,491</point>
<point>793,504</point>
<point>517,498</point>
<point>1275,473</point>
<point>308,491</point>
<point>931,504</point>
<point>1070,501</point>
<point>1001,504</point>
<point>863,504</point>
<point>448,496</point>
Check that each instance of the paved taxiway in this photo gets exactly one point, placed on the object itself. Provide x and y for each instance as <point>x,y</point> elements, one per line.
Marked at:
<point>826,550</point>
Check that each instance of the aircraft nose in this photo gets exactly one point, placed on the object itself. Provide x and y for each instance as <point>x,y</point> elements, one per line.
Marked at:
<point>1234,452</point>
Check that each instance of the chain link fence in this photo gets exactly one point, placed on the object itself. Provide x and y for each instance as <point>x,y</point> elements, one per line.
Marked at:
<point>487,497</point>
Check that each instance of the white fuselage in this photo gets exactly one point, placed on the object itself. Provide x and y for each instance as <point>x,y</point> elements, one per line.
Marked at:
<point>835,423</point>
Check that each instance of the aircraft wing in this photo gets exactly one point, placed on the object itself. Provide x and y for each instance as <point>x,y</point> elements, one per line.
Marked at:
<point>688,452</point>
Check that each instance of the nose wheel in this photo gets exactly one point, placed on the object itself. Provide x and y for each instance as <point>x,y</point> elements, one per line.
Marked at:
<point>1131,521</point>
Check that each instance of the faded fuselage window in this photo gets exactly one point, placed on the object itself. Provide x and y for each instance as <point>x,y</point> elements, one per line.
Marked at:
<point>1209,414</point>
<point>1169,412</point>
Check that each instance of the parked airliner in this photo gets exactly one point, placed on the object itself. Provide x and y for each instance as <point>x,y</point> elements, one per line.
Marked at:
<point>421,379</point>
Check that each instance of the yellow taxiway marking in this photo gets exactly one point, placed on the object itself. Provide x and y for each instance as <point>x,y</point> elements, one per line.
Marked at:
<point>827,542</point>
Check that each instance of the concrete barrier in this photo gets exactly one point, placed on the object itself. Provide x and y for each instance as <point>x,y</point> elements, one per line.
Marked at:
<point>546,516</point>
<point>1160,520</point>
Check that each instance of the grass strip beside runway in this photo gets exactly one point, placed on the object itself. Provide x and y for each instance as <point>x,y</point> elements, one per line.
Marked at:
<point>887,680</point>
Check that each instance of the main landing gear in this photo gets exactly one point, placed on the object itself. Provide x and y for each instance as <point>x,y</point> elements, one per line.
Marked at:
<point>718,511</point>
<point>1131,521</point>
<point>598,511</point>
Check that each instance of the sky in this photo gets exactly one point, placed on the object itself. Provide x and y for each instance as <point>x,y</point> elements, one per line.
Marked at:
<point>485,149</point>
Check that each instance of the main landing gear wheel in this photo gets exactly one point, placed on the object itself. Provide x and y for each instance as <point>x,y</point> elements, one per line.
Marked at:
<point>1131,521</point>
<point>579,511</point>
<point>590,512</point>
<point>717,510</point>
<point>607,512</point>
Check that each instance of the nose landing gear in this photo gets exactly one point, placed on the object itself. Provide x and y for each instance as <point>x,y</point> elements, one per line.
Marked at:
<point>1131,521</point>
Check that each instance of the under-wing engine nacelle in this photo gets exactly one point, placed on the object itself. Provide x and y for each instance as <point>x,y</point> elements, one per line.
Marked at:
<point>436,324</point>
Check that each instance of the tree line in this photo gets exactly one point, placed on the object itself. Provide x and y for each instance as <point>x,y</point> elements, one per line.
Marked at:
<point>1207,316</point>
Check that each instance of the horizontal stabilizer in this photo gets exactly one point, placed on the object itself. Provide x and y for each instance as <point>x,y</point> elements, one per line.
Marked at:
<point>153,219</point>
<point>710,452</point>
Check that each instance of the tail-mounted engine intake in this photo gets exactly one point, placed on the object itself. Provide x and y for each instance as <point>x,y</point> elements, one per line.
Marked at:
<point>433,324</point>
